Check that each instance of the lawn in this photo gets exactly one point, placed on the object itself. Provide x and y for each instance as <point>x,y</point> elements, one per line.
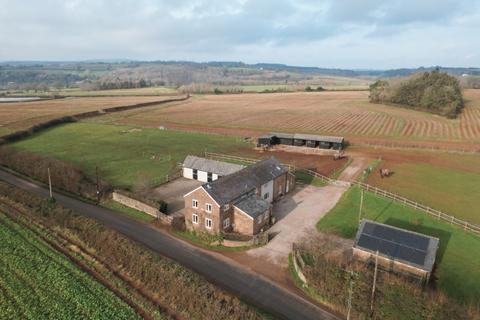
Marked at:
<point>125,155</point>
<point>458,259</point>
<point>453,189</point>
<point>37,282</point>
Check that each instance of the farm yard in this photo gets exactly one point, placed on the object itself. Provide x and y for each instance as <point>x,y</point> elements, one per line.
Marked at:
<point>457,262</point>
<point>22,115</point>
<point>47,284</point>
<point>347,113</point>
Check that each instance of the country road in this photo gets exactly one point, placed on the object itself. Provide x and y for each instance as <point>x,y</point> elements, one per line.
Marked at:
<point>222,271</point>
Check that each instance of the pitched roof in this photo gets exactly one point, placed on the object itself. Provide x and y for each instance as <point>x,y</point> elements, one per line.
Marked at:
<point>405,246</point>
<point>233,186</point>
<point>253,205</point>
<point>308,137</point>
<point>318,138</point>
<point>214,166</point>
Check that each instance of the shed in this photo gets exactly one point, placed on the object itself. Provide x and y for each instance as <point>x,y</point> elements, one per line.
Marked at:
<point>283,138</point>
<point>266,140</point>
<point>207,170</point>
<point>308,140</point>
<point>399,250</point>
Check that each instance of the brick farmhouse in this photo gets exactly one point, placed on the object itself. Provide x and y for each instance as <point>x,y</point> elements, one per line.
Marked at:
<point>239,202</point>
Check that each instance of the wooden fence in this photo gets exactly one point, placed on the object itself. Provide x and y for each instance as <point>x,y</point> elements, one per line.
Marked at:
<point>475,229</point>
<point>402,200</point>
<point>227,157</point>
<point>415,205</point>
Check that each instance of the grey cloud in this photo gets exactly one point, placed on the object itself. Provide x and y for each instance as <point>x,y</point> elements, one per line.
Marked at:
<point>262,30</point>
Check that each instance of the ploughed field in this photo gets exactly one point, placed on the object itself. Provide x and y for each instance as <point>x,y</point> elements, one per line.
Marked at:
<point>37,282</point>
<point>347,113</point>
<point>22,115</point>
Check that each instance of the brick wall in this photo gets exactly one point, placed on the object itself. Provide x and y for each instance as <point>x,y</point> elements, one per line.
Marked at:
<point>389,264</point>
<point>247,225</point>
<point>148,209</point>
<point>135,204</point>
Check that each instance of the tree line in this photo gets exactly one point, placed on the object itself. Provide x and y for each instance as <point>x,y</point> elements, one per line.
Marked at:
<point>435,92</point>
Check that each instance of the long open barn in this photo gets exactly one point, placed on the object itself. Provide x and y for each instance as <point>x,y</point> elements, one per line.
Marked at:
<point>305,140</point>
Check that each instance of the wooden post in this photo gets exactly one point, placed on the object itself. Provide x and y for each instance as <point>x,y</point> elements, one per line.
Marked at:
<point>361,207</point>
<point>50,183</point>
<point>98,185</point>
<point>372,299</point>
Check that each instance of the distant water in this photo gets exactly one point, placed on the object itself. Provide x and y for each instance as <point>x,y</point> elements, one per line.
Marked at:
<point>18,99</point>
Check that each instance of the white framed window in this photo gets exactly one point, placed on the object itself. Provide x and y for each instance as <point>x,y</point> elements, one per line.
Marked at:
<point>259,219</point>
<point>208,223</point>
<point>266,195</point>
<point>208,207</point>
<point>194,203</point>
<point>195,218</point>
<point>226,223</point>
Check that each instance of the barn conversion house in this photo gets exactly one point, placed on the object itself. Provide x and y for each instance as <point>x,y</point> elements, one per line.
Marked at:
<point>399,250</point>
<point>239,202</point>
<point>207,170</point>
<point>305,140</point>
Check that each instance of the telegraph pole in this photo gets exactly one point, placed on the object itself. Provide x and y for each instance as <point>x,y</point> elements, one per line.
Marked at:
<point>50,183</point>
<point>374,282</point>
<point>350,293</point>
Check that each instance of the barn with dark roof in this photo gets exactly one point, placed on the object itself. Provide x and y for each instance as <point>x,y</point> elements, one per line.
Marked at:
<point>398,250</point>
<point>302,140</point>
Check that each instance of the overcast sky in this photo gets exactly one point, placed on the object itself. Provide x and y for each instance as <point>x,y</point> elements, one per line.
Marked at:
<point>326,33</point>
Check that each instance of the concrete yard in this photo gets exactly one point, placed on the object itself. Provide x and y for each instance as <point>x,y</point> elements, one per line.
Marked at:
<point>297,215</point>
<point>173,192</point>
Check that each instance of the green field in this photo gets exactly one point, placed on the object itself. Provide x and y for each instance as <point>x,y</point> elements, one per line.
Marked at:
<point>453,189</point>
<point>125,155</point>
<point>37,282</point>
<point>458,259</point>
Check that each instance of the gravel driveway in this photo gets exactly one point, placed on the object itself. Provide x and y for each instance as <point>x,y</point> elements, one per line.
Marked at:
<point>297,215</point>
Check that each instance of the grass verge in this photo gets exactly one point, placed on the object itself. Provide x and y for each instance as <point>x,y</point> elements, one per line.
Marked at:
<point>205,241</point>
<point>118,207</point>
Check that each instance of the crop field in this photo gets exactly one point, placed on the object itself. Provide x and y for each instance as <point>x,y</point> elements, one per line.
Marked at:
<point>125,155</point>
<point>447,182</point>
<point>457,260</point>
<point>21,115</point>
<point>37,282</point>
<point>347,113</point>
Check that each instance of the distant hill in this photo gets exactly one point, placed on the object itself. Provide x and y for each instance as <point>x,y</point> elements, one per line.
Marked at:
<point>18,74</point>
